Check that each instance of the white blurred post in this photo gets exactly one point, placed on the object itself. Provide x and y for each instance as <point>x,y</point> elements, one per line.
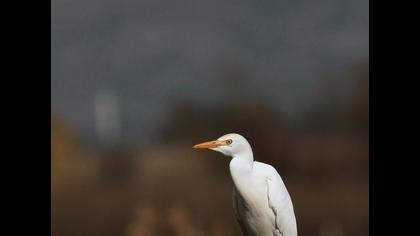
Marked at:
<point>107,116</point>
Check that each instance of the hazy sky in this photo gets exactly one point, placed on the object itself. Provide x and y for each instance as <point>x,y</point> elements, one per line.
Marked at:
<point>149,53</point>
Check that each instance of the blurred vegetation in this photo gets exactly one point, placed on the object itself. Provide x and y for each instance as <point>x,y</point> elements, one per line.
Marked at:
<point>170,189</point>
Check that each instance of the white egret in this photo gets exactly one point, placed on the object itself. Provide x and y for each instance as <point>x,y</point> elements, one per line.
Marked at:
<point>261,202</point>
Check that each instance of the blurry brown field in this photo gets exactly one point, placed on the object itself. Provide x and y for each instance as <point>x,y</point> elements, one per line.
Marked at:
<point>170,189</point>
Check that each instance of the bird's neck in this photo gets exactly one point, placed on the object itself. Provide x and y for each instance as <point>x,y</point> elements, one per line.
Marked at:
<point>242,162</point>
<point>241,167</point>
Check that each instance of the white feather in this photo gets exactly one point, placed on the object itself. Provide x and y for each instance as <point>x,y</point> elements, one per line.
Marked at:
<point>261,202</point>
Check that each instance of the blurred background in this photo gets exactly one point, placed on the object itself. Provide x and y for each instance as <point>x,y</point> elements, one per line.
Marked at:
<point>134,84</point>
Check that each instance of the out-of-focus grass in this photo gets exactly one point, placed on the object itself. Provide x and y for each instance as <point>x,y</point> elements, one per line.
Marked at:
<point>170,189</point>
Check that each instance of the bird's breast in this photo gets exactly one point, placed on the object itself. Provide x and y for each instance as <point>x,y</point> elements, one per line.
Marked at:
<point>255,214</point>
<point>252,204</point>
<point>254,196</point>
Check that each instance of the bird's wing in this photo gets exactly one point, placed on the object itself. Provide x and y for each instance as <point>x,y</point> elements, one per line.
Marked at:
<point>279,202</point>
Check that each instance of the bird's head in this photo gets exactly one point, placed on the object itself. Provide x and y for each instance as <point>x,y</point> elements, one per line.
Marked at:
<point>229,145</point>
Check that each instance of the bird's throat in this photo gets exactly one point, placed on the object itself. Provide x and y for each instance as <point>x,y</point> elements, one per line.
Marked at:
<point>240,167</point>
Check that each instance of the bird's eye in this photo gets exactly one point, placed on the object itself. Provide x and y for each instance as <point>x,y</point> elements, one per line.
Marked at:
<point>229,141</point>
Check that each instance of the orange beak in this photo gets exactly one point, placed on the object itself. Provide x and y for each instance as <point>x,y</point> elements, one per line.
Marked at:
<point>210,144</point>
